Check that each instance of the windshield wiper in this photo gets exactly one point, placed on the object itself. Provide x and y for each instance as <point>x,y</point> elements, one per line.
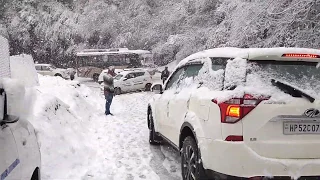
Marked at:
<point>291,90</point>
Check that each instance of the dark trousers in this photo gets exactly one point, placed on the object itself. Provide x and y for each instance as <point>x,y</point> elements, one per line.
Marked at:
<point>109,98</point>
<point>164,79</point>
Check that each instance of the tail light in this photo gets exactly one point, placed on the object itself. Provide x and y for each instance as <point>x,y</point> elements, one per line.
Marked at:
<point>235,109</point>
<point>295,55</point>
<point>234,138</point>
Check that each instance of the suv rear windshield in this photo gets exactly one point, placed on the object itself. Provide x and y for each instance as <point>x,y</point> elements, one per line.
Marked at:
<point>304,75</point>
<point>256,74</point>
<point>301,74</point>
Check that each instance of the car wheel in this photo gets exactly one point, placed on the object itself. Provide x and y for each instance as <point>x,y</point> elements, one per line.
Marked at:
<point>58,75</point>
<point>191,165</point>
<point>147,87</point>
<point>117,91</point>
<point>154,139</point>
<point>35,175</point>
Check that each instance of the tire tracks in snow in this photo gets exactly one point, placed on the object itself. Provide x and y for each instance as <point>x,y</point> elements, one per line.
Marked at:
<point>156,164</point>
<point>158,156</point>
<point>124,151</point>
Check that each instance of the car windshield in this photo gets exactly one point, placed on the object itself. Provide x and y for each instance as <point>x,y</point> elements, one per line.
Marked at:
<point>118,76</point>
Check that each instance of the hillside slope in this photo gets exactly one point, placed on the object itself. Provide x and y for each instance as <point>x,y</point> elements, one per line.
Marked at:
<point>52,30</point>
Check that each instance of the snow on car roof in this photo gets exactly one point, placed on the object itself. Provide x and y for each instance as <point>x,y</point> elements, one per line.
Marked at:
<point>251,53</point>
<point>228,52</point>
<point>269,53</point>
<point>220,52</point>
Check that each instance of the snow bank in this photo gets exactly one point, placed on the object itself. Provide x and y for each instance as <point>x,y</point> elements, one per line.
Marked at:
<point>78,141</point>
<point>22,68</point>
<point>62,119</point>
<point>61,112</point>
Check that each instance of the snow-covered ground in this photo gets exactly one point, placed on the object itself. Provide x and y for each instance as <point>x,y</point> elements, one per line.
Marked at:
<point>78,141</point>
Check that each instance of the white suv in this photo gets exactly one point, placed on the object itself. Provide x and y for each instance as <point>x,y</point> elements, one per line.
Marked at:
<point>51,70</point>
<point>242,113</point>
<point>132,80</point>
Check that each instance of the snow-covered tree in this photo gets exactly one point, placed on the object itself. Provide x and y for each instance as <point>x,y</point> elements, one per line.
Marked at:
<point>51,30</point>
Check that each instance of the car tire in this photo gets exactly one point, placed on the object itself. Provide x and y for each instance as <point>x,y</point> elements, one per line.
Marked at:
<point>36,174</point>
<point>154,139</point>
<point>117,91</point>
<point>191,165</point>
<point>58,75</point>
<point>147,87</point>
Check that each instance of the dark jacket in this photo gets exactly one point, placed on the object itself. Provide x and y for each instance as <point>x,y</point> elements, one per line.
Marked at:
<point>108,84</point>
<point>165,74</point>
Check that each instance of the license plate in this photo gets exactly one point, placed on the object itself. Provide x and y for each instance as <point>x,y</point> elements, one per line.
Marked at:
<point>290,128</point>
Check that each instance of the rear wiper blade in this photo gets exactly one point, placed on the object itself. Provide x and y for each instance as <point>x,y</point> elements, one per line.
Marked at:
<point>291,90</point>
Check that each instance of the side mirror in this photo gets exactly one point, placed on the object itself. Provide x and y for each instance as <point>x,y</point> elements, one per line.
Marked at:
<point>157,89</point>
<point>5,118</point>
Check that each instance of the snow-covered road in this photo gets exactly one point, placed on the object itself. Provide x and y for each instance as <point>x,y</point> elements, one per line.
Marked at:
<point>124,151</point>
<point>77,141</point>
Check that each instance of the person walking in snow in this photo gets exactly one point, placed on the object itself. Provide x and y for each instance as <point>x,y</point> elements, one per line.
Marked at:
<point>72,75</point>
<point>108,92</point>
<point>165,74</point>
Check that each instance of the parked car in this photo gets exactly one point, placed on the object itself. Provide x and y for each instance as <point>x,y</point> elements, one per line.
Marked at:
<point>100,80</point>
<point>242,113</point>
<point>51,70</point>
<point>131,80</point>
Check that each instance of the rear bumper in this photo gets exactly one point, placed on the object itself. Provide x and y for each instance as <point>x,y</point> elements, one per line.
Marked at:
<point>237,159</point>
